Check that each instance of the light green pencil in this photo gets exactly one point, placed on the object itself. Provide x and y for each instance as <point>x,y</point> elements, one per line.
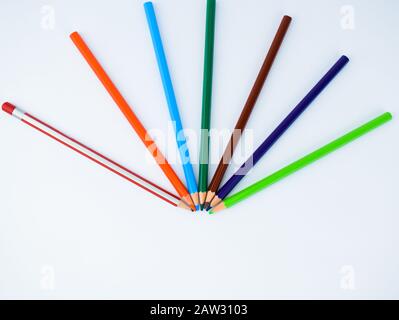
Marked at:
<point>303,162</point>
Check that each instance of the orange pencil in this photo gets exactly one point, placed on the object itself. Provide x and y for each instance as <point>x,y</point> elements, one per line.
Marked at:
<point>132,118</point>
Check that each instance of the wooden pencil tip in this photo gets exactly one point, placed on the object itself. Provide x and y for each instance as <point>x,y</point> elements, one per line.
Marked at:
<point>215,201</point>
<point>187,200</point>
<point>202,197</point>
<point>209,197</point>
<point>195,198</point>
<point>183,205</point>
<point>221,206</point>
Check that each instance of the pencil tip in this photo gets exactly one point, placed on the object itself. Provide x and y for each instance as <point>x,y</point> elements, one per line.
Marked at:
<point>202,197</point>
<point>189,202</point>
<point>221,206</point>
<point>195,200</point>
<point>206,206</point>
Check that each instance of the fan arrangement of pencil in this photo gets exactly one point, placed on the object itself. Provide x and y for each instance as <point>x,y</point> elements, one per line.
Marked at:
<point>212,197</point>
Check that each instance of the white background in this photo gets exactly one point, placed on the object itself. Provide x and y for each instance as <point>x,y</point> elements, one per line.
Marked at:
<point>69,229</point>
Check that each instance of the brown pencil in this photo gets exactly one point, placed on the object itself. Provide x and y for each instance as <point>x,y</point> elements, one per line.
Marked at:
<point>247,110</point>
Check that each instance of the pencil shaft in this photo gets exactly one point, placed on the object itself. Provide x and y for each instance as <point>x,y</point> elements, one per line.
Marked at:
<point>249,105</point>
<point>91,154</point>
<point>282,128</point>
<point>207,95</point>
<point>307,160</point>
<point>170,97</point>
<point>129,114</point>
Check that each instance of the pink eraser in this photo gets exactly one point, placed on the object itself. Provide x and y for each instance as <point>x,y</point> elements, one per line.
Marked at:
<point>8,107</point>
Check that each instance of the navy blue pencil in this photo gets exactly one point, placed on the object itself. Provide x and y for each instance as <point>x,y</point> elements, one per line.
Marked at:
<point>278,132</point>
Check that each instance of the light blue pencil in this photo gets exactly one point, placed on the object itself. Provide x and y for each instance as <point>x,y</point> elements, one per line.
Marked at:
<point>172,103</point>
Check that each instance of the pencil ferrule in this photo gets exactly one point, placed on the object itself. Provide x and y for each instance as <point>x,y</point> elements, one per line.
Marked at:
<point>18,113</point>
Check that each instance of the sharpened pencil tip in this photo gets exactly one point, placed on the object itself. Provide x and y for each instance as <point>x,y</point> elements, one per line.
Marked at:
<point>195,200</point>
<point>186,205</point>
<point>189,202</point>
<point>202,197</point>
<point>221,206</point>
<point>215,201</point>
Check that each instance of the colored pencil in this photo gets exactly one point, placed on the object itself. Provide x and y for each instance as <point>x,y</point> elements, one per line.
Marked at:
<point>279,131</point>
<point>93,155</point>
<point>206,100</point>
<point>171,101</point>
<point>247,110</point>
<point>131,117</point>
<point>303,162</point>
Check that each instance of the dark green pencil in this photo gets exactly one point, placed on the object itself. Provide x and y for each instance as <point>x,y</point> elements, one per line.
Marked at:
<point>206,100</point>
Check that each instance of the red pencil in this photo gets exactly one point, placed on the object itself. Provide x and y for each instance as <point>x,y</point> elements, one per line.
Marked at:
<point>95,156</point>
